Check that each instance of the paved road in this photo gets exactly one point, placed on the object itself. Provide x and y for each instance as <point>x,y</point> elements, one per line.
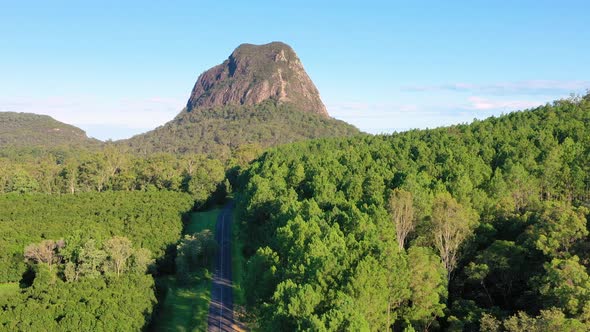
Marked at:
<point>221,309</point>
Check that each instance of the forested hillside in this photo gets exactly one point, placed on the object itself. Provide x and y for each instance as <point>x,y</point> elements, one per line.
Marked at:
<point>470,227</point>
<point>33,130</point>
<point>222,130</point>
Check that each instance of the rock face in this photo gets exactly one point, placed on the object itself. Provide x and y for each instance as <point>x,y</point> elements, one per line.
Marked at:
<point>254,73</point>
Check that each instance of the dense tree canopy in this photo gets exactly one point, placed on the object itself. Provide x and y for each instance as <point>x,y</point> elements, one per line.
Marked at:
<point>151,220</point>
<point>470,227</point>
<point>496,228</point>
<point>71,171</point>
<point>92,286</point>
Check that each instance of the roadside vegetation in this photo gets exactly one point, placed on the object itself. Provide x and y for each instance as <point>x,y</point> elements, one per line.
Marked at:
<point>185,295</point>
<point>238,264</point>
<point>84,285</point>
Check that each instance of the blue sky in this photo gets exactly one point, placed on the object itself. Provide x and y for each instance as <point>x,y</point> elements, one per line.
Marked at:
<point>117,69</point>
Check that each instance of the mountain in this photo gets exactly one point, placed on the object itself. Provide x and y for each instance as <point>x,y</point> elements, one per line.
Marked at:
<point>19,130</point>
<point>260,95</point>
<point>253,74</point>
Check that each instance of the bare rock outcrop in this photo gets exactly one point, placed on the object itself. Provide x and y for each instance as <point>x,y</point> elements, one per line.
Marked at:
<point>254,73</point>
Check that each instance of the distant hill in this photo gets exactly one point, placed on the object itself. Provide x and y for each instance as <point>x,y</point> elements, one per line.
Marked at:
<point>260,95</point>
<point>32,130</point>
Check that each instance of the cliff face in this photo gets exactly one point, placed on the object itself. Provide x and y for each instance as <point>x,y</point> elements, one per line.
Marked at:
<point>254,73</point>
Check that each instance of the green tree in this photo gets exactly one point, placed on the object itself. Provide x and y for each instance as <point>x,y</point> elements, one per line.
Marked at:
<point>91,259</point>
<point>22,182</point>
<point>452,224</point>
<point>567,285</point>
<point>141,260</point>
<point>558,227</point>
<point>261,280</point>
<point>193,252</point>
<point>428,287</point>
<point>548,320</point>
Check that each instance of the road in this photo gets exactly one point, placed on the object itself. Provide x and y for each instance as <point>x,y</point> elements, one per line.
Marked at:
<point>221,309</point>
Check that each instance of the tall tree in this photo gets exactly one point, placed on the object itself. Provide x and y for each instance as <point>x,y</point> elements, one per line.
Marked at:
<point>44,252</point>
<point>566,285</point>
<point>401,207</point>
<point>428,287</point>
<point>119,250</point>
<point>452,224</point>
<point>91,259</point>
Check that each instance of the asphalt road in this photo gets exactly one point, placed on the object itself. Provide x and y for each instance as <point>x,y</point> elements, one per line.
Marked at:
<point>221,309</point>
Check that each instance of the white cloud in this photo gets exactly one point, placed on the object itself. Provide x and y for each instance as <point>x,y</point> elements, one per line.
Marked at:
<point>530,87</point>
<point>368,110</point>
<point>481,103</point>
<point>390,117</point>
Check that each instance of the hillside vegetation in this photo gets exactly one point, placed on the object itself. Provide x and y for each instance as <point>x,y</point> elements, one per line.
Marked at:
<point>469,227</point>
<point>222,130</point>
<point>33,130</point>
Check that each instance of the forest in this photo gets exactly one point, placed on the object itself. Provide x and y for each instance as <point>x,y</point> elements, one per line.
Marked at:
<point>478,227</point>
<point>82,260</point>
<point>86,234</point>
<point>71,171</point>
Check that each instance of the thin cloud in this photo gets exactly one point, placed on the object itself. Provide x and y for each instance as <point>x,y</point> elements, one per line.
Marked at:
<point>391,117</point>
<point>533,87</point>
<point>370,109</point>
<point>485,104</point>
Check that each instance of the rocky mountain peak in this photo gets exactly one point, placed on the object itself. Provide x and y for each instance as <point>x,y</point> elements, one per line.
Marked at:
<point>254,73</point>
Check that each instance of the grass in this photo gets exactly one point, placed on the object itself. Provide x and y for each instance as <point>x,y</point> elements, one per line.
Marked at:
<point>201,221</point>
<point>186,306</point>
<point>8,289</point>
